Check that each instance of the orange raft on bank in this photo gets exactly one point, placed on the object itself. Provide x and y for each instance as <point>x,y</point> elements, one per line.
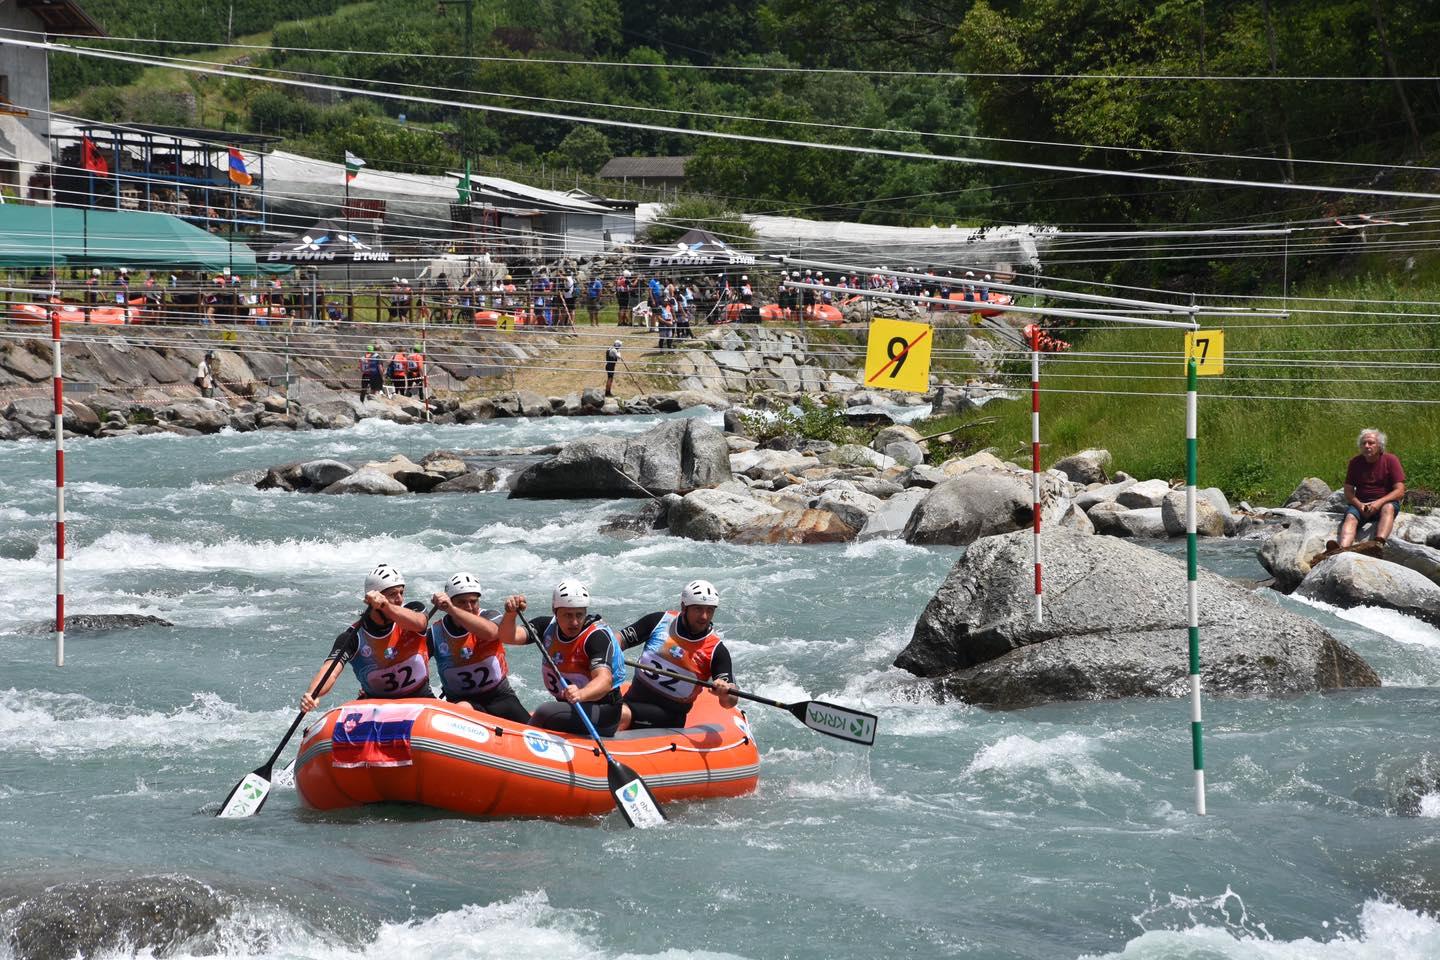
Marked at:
<point>442,755</point>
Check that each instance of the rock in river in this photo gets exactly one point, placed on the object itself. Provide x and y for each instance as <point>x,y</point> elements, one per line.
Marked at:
<point>675,457</point>
<point>1114,626</point>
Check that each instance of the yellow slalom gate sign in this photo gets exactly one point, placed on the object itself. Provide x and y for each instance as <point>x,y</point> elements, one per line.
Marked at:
<point>897,356</point>
<point>1207,349</point>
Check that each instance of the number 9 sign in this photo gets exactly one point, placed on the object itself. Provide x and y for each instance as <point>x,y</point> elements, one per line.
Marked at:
<point>897,356</point>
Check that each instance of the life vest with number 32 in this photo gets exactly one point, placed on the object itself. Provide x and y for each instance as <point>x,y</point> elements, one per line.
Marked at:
<point>665,648</point>
<point>467,665</point>
<point>392,664</point>
<point>574,661</point>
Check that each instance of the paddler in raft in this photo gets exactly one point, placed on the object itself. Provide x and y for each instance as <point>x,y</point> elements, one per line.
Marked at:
<point>386,646</point>
<point>680,642</point>
<point>469,649</point>
<point>591,666</point>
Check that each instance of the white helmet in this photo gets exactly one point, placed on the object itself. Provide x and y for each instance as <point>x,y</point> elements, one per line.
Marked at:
<point>699,593</point>
<point>617,344</point>
<point>462,583</point>
<point>570,593</point>
<point>383,578</point>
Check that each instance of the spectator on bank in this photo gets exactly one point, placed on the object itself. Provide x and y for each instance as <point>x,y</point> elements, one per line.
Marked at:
<point>1374,487</point>
<point>593,290</point>
<point>623,291</point>
<point>205,375</point>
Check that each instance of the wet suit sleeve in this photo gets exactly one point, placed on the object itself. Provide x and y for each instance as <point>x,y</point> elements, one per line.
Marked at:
<point>541,624</point>
<point>639,631</point>
<point>345,646</point>
<point>720,667</point>
<point>597,648</point>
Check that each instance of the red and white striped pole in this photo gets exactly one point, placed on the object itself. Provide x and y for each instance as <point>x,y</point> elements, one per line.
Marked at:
<point>1035,454</point>
<point>59,483</point>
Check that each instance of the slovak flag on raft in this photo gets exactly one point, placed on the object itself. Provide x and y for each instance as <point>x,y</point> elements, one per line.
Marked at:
<point>238,173</point>
<point>377,736</point>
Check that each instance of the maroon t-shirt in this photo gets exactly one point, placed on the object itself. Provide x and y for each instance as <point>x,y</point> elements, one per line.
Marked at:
<point>1373,480</point>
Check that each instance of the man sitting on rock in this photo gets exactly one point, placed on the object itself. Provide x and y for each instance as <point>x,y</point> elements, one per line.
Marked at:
<point>1374,486</point>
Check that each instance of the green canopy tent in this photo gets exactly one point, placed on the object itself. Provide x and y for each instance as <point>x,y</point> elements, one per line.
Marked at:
<point>38,236</point>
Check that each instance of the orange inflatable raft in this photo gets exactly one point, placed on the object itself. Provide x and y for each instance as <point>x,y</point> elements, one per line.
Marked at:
<point>442,755</point>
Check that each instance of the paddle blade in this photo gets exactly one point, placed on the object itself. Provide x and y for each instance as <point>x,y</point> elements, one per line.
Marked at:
<point>639,808</point>
<point>247,798</point>
<point>836,721</point>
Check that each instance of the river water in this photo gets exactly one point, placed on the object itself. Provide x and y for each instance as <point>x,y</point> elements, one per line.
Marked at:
<point>1058,832</point>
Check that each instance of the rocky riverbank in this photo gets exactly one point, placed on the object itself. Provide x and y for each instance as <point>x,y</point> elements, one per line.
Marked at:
<point>139,380</point>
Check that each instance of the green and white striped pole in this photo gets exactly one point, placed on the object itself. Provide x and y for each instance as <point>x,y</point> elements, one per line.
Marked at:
<point>1192,566</point>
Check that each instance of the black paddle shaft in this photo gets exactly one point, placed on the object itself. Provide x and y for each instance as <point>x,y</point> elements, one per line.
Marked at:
<point>295,724</point>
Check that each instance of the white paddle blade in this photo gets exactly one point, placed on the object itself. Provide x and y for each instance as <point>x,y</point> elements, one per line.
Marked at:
<point>840,722</point>
<point>638,806</point>
<point>247,798</point>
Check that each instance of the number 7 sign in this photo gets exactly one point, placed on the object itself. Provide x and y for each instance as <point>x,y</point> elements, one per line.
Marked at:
<point>1207,347</point>
<point>897,356</point>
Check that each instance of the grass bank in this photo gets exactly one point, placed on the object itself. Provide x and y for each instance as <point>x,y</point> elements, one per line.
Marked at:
<point>1295,393</point>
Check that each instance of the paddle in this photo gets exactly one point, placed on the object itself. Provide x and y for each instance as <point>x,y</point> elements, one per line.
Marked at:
<point>251,792</point>
<point>632,796</point>
<point>827,718</point>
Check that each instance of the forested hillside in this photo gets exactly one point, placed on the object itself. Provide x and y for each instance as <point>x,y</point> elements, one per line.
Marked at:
<point>1178,86</point>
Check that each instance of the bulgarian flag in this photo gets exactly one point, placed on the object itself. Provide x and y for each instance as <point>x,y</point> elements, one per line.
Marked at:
<point>352,166</point>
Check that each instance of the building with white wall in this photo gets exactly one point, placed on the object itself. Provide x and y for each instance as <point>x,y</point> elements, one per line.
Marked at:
<point>25,91</point>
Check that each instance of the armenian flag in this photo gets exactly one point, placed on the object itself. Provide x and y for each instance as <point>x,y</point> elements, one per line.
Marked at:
<point>238,173</point>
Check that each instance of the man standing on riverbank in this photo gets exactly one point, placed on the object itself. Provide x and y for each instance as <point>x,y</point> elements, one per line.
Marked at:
<point>1374,486</point>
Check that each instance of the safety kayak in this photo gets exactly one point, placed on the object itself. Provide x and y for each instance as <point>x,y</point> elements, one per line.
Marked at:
<point>451,757</point>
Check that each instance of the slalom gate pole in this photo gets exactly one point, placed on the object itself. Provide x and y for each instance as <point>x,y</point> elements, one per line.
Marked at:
<point>1035,458</point>
<point>59,382</point>
<point>1192,564</point>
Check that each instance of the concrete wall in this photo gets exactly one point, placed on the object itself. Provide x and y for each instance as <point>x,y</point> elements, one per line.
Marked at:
<point>25,139</point>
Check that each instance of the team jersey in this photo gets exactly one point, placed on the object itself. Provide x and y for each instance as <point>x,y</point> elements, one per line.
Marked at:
<point>468,666</point>
<point>595,646</point>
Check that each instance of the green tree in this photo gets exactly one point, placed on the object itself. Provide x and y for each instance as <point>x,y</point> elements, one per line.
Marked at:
<point>584,148</point>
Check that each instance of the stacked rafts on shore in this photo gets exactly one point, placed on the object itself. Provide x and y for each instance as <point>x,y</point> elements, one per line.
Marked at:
<point>450,757</point>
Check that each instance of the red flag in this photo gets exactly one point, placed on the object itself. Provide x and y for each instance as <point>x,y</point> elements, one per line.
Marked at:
<point>92,159</point>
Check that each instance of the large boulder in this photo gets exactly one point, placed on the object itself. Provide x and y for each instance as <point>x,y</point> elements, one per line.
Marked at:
<point>851,506</point>
<point>893,515</point>
<point>1087,466</point>
<point>1311,494</point>
<point>1114,626</point>
<point>199,413</point>
<point>717,514</point>
<point>1287,554</point>
<point>366,480</point>
<point>1209,520</point>
<point>978,503</point>
<point>1102,493</point>
<point>1416,556</point>
<point>767,464</point>
<point>319,474</point>
<point>1353,580</point>
<point>1145,493</point>
<point>796,527</point>
<point>674,457</point>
